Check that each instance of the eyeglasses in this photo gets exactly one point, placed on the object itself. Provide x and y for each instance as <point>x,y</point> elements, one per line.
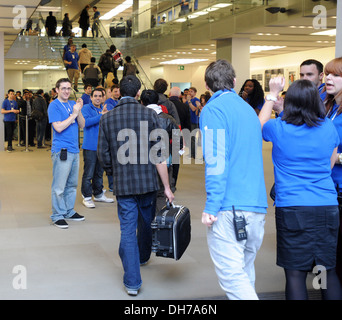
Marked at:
<point>65,89</point>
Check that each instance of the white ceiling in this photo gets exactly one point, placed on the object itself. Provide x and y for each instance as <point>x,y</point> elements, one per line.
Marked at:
<point>294,33</point>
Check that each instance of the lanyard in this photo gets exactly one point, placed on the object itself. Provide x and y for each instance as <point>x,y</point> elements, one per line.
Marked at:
<point>68,110</point>
<point>331,111</point>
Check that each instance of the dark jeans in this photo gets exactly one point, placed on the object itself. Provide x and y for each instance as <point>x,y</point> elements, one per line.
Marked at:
<point>92,179</point>
<point>136,212</point>
<point>41,125</point>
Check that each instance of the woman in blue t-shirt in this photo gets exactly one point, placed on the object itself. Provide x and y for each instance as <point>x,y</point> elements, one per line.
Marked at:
<point>304,151</point>
<point>333,102</point>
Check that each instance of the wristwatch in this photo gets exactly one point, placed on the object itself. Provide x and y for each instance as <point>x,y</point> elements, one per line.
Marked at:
<point>271,98</point>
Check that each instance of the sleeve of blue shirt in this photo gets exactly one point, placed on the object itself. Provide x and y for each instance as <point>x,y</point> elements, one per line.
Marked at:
<point>90,117</point>
<point>215,151</point>
<point>268,129</point>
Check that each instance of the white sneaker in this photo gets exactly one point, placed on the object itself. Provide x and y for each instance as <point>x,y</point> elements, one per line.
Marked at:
<point>88,203</point>
<point>103,198</point>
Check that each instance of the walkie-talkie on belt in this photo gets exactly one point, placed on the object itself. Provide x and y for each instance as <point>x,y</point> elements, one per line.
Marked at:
<point>240,227</point>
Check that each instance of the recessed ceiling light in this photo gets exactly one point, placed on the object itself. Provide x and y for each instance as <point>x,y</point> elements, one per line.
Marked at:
<point>254,49</point>
<point>183,61</point>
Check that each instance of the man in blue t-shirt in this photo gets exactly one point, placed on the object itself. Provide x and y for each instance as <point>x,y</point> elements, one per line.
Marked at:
<point>92,179</point>
<point>71,59</point>
<point>66,118</point>
<point>194,105</point>
<point>234,181</point>
<point>86,96</point>
<point>312,70</point>
<point>10,110</point>
<point>114,99</point>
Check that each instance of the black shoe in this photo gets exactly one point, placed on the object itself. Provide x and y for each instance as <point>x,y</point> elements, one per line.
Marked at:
<point>10,149</point>
<point>76,217</point>
<point>41,147</point>
<point>61,224</point>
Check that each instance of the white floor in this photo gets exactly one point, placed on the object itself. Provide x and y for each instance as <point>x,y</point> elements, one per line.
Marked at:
<point>40,261</point>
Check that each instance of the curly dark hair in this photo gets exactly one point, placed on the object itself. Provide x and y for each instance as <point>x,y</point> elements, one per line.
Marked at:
<point>257,96</point>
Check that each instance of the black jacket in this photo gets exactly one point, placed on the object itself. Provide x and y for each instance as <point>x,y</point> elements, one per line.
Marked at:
<point>183,112</point>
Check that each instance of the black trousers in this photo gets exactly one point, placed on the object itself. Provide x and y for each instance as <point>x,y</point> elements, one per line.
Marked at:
<point>9,130</point>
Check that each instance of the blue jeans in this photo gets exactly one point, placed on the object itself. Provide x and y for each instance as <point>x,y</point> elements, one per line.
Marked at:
<point>136,212</point>
<point>64,185</point>
<point>92,179</point>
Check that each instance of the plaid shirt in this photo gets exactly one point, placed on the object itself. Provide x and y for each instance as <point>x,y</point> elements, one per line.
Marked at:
<point>124,147</point>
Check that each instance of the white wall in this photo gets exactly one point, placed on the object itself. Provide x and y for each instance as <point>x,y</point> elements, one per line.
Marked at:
<point>289,62</point>
<point>13,80</point>
<point>17,80</point>
<point>191,73</point>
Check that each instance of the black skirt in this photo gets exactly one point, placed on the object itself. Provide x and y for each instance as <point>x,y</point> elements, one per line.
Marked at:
<point>307,236</point>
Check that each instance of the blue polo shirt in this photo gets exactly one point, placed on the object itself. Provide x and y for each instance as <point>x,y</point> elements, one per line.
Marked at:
<point>10,105</point>
<point>301,157</point>
<point>232,148</point>
<point>68,138</point>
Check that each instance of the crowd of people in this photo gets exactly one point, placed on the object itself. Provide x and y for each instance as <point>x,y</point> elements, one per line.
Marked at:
<point>105,72</point>
<point>306,135</point>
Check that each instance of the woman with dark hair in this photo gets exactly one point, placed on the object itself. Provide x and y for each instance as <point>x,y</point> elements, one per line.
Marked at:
<point>304,152</point>
<point>252,92</point>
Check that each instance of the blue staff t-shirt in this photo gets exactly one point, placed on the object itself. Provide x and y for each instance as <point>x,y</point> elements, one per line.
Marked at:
<point>10,105</point>
<point>111,103</point>
<point>301,157</point>
<point>337,122</point>
<point>68,138</point>
<point>73,58</point>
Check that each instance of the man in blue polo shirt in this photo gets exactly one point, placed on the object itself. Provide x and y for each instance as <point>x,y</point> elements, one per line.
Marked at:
<point>92,179</point>
<point>71,61</point>
<point>10,110</point>
<point>234,182</point>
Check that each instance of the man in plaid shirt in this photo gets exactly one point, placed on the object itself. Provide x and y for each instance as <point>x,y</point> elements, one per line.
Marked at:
<point>125,150</point>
